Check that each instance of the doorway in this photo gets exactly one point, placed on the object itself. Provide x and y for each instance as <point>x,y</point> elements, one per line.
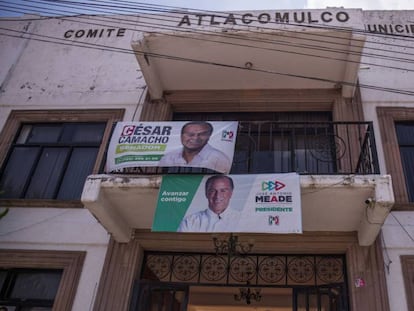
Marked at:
<point>209,282</point>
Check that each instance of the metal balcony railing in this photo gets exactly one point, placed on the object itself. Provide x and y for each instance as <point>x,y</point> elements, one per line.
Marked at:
<point>303,147</point>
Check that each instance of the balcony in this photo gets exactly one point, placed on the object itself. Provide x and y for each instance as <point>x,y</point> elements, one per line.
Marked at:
<point>236,64</point>
<point>341,189</point>
<point>308,148</point>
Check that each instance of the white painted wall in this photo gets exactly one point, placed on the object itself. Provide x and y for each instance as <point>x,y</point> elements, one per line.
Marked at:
<point>44,75</point>
<point>82,73</point>
<point>75,74</point>
<point>398,229</point>
<point>395,73</point>
<point>60,230</point>
<point>398,234</point>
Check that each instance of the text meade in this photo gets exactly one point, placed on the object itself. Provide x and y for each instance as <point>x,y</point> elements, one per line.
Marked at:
<point>273,198</point>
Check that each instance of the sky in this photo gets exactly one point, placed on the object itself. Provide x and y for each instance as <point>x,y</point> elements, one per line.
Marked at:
<point>289,4</point>
<point>13,7</point>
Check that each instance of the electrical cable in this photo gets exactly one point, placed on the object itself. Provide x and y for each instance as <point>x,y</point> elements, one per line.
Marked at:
<point>389,261</point>
<point>160,8</point>
<point>31,225</point>
<point>285,30</point>
<point>296,33</point>
<point>169,9</point>
<point>144,89</point>
<point>367,86</point>
<point>402,227</point>
<point>312,55</point>
<point>170,57</point>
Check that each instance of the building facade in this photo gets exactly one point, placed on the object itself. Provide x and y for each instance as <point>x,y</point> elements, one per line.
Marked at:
<point>324,93</point>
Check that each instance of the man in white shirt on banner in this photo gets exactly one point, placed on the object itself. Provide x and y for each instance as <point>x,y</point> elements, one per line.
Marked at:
<point>218,217</point>
<point>196,152</point>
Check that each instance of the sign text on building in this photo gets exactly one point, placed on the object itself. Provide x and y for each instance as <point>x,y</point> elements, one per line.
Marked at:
<point>264,18</point>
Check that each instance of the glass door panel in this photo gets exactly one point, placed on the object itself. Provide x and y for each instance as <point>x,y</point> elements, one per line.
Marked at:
<point>156,296</point>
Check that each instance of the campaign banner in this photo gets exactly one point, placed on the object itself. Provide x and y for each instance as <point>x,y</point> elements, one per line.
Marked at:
<point>264,203</point>
<point>201,144</point>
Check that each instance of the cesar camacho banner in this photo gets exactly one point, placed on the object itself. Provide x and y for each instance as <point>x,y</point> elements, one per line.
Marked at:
<point>139,144</point>
<point>258,203</point>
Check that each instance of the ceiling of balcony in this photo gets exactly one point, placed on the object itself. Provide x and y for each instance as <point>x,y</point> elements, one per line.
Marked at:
<point>234,60</point>
<point>329,203</point>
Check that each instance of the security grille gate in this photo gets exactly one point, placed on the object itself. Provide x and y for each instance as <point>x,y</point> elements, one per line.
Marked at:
<point>318,281</point>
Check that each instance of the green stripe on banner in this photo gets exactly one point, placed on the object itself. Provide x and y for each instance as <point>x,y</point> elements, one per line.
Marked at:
<point>175,196</point>
<point>140,148</point>
<point>133,158</point>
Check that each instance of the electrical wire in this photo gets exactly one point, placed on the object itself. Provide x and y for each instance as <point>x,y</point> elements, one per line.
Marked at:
<point>389,261</point>
<point>142,6</point>
<point>402,227</point>
<point>180,10</point>
<point>144,89</point>
<point>261,28</point>
<point>273,41</point>
<point>31,225</point>
<point>49,39</point>
<point>306,46</point>
<point>382,56</point>
<point>266,71</point>
<point>286,51</point>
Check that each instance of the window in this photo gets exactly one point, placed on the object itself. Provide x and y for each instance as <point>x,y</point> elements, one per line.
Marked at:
<point>405,136</point>
<point>269,146</point>
<point>396,125</point>
<point>37,280</point>
<point>280,141</point>
<point>341,148</point>
<point>407,263</point>
<point>51,161</point>
<point>50,154</point>
<point>28,289</point>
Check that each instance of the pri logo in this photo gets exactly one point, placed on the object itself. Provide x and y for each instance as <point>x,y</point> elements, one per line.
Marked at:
<point>272,185</point>
<point>273,220</point>
<point>227,135</point>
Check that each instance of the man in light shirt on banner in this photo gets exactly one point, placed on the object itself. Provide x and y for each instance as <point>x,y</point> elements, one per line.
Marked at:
<point>218,217</point>
<point>196,152</point>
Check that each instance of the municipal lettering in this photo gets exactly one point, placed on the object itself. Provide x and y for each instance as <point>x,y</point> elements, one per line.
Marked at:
<point>264,18</point>
<point>390,28</point>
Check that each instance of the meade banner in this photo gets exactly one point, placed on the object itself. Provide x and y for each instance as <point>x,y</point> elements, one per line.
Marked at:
<point>229,203</point>
<point>190,144</point>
